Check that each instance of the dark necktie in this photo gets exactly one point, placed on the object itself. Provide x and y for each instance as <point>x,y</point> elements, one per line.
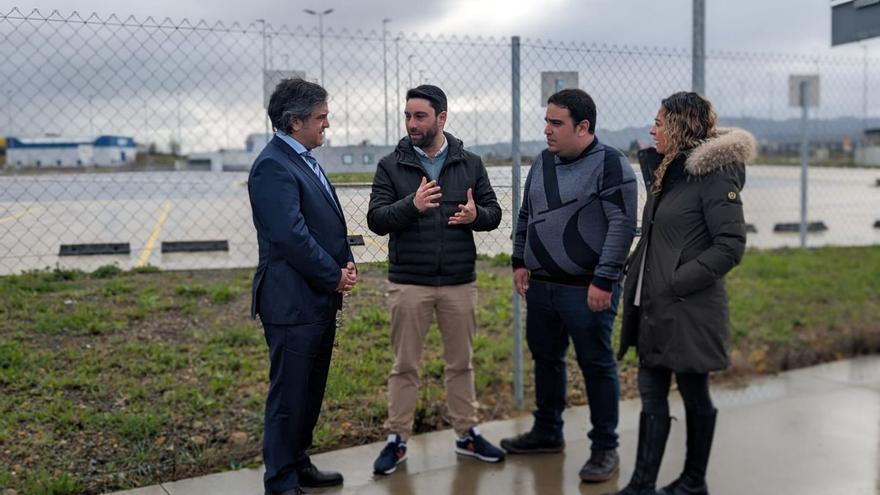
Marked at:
<point>313,163</point>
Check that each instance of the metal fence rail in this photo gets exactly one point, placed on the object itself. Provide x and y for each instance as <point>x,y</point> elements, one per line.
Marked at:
<point>180,88</point>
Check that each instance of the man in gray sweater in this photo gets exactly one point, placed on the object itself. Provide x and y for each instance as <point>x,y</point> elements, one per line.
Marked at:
<point>573,234</point>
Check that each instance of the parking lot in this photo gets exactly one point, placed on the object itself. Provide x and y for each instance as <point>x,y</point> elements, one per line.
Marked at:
<point>39,213</point>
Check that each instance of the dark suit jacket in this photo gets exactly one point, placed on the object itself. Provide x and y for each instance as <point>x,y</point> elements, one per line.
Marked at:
<point>302,240</point>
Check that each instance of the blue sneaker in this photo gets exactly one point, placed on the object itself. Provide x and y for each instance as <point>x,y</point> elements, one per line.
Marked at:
<point>474,445</point>
<point>392,454</point>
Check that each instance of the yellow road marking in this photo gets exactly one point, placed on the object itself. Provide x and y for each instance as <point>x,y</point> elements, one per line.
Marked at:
<point>148,249</point>
<point>18,215</point>
<point>383,247</point>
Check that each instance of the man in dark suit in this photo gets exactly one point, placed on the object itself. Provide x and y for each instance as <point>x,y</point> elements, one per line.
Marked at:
<point>305,264</point>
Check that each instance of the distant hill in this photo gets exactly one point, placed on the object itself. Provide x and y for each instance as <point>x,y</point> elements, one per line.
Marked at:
<point>766,131</point>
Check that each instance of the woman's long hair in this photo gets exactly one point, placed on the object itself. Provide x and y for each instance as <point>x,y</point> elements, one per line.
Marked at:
<point>690,120</point>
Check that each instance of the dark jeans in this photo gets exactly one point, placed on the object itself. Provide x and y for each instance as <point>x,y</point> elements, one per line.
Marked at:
<point>557,313</point>
<point>299,362</point>
<point>654,389</point>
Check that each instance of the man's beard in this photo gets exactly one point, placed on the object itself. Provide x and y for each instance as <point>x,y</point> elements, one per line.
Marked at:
<point>427,138</point>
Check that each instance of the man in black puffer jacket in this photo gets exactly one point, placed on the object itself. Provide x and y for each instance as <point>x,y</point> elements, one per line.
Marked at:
<point>430,195</point>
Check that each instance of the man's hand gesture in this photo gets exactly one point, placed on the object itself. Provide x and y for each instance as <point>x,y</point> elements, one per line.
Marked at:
<point>427,195</point>
<point>466,213</point>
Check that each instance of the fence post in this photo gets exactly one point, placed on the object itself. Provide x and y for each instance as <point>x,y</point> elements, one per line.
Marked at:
<point>805,153</point>
<point>515,184</point>
<point>698,60</point>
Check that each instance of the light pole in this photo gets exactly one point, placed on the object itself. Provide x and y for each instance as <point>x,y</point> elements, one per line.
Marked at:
<point>864,90</point>
<point>9,113</point>
<point>476,119</point>
<point>385,75</point>
<point>320,35</point>
<point>410,70</point>
<point>266,119</point>
<point>179,134</point>
<point>91,118</point>
<point>345,92</point>
<point>271,51</point>
<point>397,79</point>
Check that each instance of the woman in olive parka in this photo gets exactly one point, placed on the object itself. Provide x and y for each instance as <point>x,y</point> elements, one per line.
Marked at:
<point>675,303</point>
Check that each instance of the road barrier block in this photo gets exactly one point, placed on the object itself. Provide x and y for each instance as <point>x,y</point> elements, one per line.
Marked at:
<point>796,227</point>
<point>94,249</point>
<point>194,246</point>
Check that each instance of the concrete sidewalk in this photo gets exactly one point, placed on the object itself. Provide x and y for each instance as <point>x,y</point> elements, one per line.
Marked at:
<point>814,431</point>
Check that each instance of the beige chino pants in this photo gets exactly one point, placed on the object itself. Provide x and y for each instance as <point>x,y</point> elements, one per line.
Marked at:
<point>412,308</point>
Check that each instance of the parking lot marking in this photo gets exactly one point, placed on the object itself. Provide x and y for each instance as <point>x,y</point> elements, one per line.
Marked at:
<point>11,218</point>
<point>383,247</point>
<point>151,243</point>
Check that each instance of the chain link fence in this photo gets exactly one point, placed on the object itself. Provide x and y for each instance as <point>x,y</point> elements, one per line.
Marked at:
<point>190,95</point>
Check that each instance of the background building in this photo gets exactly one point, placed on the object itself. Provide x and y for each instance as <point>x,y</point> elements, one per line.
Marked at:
<point>70,152</point>
<point>361,157</point>
<point>869,153</point>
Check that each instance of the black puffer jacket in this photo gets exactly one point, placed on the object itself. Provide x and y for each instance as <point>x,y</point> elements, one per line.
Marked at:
<point>693,233</point>
<point>422,248</point>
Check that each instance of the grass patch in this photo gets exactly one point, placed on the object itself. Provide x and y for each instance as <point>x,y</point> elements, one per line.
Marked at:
<point>350,177</point>
<point>43,483</point>
<point>106,271</point>
<point>75,319</point>
<point>148,268</point>
<point>124,379</point>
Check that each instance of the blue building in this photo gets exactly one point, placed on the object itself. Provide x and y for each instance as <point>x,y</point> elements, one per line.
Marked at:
<point>70,152</point>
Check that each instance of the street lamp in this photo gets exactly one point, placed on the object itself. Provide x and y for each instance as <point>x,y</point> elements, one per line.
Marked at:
<point>864,90</point>
<point>397,80</point>
<point>385,75</point>
<point>345,92</point>
<point>91,118</point>
<point>271,51</point>
<point>476,120</point>
<point>320,35</point>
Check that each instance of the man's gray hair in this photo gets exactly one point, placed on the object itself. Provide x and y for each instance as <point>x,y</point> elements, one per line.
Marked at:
<point>293,99</point>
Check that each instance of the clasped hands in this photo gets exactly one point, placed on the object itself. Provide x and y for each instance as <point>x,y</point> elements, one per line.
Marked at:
<point>347,278</point>
<point>428,195</point>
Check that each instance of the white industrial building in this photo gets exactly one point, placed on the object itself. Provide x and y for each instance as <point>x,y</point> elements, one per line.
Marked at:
<point>868,154</point>
<point>70,152</point>
<point>352,158</point>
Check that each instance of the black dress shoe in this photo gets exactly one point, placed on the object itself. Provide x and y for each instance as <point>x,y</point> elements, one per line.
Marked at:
<point>312,477</point>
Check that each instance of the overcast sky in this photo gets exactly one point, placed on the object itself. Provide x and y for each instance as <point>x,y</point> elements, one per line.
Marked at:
<point>801,26</point>
<point>139,89</point>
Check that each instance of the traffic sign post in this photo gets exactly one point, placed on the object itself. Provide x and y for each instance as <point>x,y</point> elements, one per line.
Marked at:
<point>803,92</point>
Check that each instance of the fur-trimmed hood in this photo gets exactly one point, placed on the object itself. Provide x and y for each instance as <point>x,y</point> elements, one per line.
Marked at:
<point>731,146</point>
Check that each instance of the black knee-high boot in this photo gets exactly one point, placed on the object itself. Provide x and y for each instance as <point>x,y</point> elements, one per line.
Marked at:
<point>653,432</point>
<point>700,432</point>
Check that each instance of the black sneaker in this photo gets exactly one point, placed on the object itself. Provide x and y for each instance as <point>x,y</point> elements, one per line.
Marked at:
<point>474,445</point>
<point>532,443</point>
<point>392,454</point>
<point>601,466</point>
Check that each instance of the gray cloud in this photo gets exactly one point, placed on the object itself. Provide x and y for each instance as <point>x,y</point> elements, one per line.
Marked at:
<point>746,25</point>
<point>202,86</point>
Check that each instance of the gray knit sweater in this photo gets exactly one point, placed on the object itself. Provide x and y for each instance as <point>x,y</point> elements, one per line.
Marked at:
<point>578,218</point>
